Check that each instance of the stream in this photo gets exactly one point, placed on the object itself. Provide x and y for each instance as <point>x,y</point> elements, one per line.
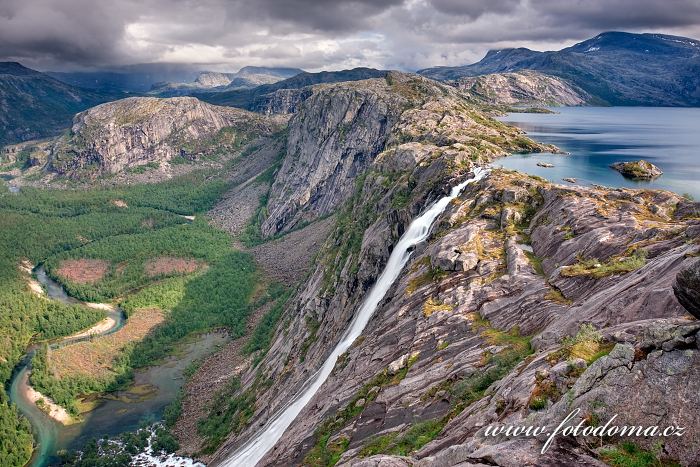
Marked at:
<point>250,453</point>
<point>152,390</point>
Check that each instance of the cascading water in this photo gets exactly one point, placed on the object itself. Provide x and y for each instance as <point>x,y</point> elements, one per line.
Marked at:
<point>250,453</point>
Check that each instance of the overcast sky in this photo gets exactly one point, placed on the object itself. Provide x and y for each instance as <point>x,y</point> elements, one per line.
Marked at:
<point>314,34</point>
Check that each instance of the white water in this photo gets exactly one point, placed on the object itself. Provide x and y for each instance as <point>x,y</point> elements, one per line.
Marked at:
<point>250,453</point>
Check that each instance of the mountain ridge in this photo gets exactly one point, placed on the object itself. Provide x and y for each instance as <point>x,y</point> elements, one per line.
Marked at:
<point>617,68</point>
<point>245,78</point>
<point>255,98</point>
<point>35,105</point>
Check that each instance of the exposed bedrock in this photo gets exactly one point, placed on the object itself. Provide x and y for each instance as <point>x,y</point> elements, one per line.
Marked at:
<point>480,330</point>
<point>687,288</point>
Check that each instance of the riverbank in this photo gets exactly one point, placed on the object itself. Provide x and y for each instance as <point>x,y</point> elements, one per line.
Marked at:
<point>100,328</point>
<point>26,267</point>
<point>43,403</point>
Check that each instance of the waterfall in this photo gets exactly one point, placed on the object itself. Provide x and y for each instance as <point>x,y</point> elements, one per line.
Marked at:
<point>254,449</point>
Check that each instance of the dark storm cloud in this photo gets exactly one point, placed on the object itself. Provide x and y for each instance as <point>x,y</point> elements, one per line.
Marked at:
<point>317,15</point>
<point>474,9</point>
<point>74,31</point>
<point>314,34</point>
<point>623,13</point>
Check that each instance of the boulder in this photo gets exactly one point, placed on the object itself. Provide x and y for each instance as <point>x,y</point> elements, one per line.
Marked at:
<point>687,288</point>
<point>466,261</point>
<point>514,195</point>
<point>510,215</point>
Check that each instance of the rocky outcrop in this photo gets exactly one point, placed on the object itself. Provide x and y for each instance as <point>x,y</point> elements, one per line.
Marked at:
<point>569,304</point>
<point>523,88</point>
<point>687,288</point>
<point>638,170</point>
<point>339,131</point>
<point>140,130</point>
<point>641,382</point>
<point>210,79</point>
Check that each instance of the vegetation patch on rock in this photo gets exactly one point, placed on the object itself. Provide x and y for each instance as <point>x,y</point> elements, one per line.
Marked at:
<point>638,170</point>
<point>597,269</point>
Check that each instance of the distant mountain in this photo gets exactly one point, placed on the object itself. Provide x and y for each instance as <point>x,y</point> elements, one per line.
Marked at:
<point>616,68</point>
<point>246,78</point>
<point>523,88</point>
<point>256,98</point>
<point>257,75</point>
<point>138,78</point>
<point>136,131</point>
<point>34,105</point>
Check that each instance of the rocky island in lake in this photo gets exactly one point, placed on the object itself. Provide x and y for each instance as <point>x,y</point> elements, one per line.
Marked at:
<point>638,170</point>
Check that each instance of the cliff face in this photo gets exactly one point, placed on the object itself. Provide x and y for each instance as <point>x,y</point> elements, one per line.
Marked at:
<point>339,130</point>
<point>140,130</point>
<point>479,330</point>
<point>333,138</point>
<point>523,88</point>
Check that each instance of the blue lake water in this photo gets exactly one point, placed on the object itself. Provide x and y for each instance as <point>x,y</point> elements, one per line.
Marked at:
<point>596,137</point>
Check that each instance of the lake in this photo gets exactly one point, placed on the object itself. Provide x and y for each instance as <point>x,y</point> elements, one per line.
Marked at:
<point>596,137</point>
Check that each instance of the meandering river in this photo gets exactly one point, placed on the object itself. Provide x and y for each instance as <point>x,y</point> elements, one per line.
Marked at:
<point>114,413</point>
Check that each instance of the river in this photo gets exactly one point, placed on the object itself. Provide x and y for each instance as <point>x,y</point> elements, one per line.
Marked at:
<point>596,137</point>
<point>114,413</point>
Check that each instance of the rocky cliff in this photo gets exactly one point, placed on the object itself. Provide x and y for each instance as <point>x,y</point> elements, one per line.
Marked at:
<point>523,88</point>
<point>339,130</point>
<point>529,300</point>
<point>140,130</point>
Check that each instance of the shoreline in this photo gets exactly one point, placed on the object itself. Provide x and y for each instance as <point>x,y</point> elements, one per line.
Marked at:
<point>100,327</point>
<point>45,404</point>
<point>26,267</point>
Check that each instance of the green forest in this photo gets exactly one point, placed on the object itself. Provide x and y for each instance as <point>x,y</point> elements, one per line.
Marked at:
<point>125,228</point>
